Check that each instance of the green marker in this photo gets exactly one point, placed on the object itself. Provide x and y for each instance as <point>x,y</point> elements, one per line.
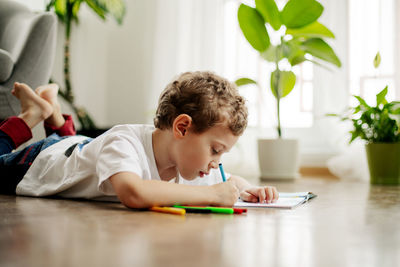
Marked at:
<point>198,209</point>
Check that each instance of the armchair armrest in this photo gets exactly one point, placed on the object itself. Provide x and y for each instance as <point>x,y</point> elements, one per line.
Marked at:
<point>6,65</point>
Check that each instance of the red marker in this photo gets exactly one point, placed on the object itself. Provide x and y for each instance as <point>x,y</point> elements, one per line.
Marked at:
<point>239,211</point>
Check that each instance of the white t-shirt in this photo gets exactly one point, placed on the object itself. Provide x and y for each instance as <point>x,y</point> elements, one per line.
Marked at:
<point>85,172</point>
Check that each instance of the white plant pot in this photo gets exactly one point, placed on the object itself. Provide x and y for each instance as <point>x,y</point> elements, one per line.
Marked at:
<point>279,159</point>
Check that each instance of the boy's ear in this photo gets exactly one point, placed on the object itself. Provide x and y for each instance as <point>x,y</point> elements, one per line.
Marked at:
<point>181,125</point>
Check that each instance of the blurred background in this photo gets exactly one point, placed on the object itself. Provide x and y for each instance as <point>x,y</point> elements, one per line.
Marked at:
<point>118,71</point>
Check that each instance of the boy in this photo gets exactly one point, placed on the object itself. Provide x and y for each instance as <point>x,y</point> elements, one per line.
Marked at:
<point>199,117</point>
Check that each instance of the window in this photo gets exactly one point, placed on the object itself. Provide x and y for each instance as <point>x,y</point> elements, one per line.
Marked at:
<point>371,29</point>
<point>361,27</point>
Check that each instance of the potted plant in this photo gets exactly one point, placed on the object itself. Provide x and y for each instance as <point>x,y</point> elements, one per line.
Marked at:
<point>301,38</point>
<point>67,12</point>
<point>379,127</point>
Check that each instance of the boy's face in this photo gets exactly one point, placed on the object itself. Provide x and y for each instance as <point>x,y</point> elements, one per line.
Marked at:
<point>198,153</point>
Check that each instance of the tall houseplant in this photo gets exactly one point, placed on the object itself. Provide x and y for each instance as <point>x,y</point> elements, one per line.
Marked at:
<point>67,12</point>
<point>379,127</point>
<point>301,38</point>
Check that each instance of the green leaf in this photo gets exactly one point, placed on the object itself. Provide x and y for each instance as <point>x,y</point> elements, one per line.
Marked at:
<point>50,5</point>
<point>394,107</point>
<point>282,83</point>
<point>252,24</point>
<point>357,109</point>
<point>354,135</point>
<point>380,97</point>
<point>293,51</point>
<point>244,81</point>
<point>314,29</point>
<point>115,7</point>
<point>60,7</point>
<point>362,102</point>
<point>297,60</point>
<point>272,54</point>
<point>270,12</point>
<point>97,8</point>
<point>320,49</point>
<point>377,60</point>
<point>299,13</point>
<point>396,118</point>
<point>75,9</point>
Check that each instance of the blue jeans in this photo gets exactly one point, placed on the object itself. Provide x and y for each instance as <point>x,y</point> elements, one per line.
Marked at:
<point>14,165</point>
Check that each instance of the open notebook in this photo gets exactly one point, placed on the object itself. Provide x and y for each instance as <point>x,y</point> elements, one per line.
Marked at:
<point>285,201</point>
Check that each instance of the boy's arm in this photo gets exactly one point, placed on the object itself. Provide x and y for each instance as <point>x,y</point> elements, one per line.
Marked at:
<point>251,193</point>
<point>137,193</point>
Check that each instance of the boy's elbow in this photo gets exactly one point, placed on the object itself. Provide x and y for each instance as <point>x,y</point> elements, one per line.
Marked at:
<point>135,200</point>
<point>130,191</point>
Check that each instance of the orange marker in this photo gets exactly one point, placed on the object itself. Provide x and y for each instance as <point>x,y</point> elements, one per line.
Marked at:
<point>170,210</point>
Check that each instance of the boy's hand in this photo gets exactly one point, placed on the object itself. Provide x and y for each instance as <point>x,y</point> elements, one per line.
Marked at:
<point>262,194</point>
<point>227,193</point>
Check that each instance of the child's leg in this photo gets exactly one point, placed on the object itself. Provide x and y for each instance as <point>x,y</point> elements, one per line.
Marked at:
<point>17,130</point>
<point>13,166</point>
<point>57,122</point>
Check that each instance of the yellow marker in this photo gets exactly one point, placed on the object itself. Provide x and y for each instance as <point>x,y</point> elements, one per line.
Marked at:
<point>171,210</point>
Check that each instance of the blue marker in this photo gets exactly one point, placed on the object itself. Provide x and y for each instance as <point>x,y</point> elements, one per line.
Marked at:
<point>221,169</point>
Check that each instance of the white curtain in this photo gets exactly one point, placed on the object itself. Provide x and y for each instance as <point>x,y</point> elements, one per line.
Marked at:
<point>188,37</point>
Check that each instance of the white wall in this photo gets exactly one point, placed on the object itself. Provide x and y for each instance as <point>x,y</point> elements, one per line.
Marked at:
<point>130,65</point>
<point>111,64</point>
<point>37,5</point>
<point>88,59</point>
<point>118,71</point>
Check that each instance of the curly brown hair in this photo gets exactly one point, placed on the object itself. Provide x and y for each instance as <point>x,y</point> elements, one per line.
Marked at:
<point>207,98</point>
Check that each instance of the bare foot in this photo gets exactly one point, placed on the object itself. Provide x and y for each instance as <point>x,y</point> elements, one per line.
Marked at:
<point>49,93</point>
<point>33,108</point>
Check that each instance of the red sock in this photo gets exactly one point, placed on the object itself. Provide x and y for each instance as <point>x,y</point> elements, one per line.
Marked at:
<point>17,130</point>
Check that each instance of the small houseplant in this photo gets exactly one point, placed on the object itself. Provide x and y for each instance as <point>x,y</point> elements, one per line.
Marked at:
<point>301,38</point>
<point>379,127</point>
<point>67,12</point>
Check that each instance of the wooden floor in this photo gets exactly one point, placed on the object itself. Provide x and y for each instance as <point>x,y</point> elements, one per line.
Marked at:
<point>348,224</point>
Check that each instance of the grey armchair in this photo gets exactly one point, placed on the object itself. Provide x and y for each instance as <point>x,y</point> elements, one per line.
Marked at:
<point>27,49</point>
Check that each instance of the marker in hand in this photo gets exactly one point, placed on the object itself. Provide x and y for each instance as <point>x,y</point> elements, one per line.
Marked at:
<point>221,169</point>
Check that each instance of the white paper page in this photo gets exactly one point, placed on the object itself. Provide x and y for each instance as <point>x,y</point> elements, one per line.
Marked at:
<point>286,201</point>
<point>295,194</point>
